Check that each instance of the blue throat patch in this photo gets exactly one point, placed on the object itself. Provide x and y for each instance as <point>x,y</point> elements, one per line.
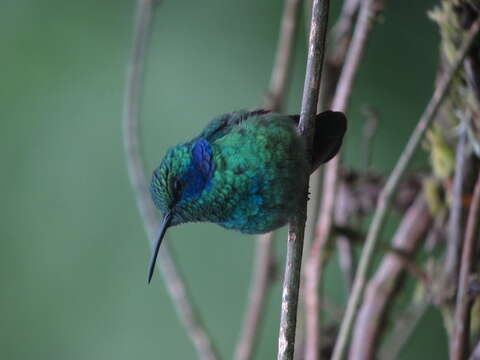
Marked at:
<point>200,172</point>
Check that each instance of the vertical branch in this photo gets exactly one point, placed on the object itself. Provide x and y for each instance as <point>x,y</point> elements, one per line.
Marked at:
<point>313,267</point>
<point>283,59</point>
<point>345,252</point>
<point>461,333</point>
<point>369,130</point>
<point>264,260</point>
<point>136,171</point>
<point>368,12</point>
<point>339,42</point>
<point>306,127</point>
<point>259,286</point>
<point>340,102</point>
<point>455,228</point>
<point>387,192</point>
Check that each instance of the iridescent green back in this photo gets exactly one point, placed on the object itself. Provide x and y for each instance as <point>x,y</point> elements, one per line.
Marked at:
<point>261,165</point>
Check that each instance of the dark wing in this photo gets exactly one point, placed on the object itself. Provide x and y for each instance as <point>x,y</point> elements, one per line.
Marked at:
<point>223,124</point>
<point>330,127</point>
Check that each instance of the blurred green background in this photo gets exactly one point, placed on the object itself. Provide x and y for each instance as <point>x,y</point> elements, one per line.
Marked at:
<point>73,253</point>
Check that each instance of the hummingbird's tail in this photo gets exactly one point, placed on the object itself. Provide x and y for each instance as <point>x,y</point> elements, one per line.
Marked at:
<point>330,127</point>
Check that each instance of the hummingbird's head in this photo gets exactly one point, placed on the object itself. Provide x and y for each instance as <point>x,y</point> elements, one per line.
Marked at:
<point>184,173</point>
<point>166,187</point>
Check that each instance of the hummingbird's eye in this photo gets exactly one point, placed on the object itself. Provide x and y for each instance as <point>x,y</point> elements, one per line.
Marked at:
<point>177,189</point>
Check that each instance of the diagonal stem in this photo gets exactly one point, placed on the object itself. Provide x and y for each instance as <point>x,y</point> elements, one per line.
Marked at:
<point>387,192</point>
<point>136,171</point>
<point>383,285</point>
<point>306,127</point>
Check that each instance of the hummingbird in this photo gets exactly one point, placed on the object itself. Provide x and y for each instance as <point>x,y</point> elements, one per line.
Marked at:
<point>245,172</point>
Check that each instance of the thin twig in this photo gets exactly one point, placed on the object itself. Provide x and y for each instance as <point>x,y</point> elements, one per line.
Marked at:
<point>342,30</point>
<point>264,258</point>
<point>366,17</point>
<point>314,266</point>
<point>306,127</point>
<point>259,286</point>
<point>392,183</point>
<point>136,171</point>
<point>340,101</point>
<point>280,77</point>
<point>369,130</point>
<point>337,45</point>
<point>381,288</point>
<point>455,223</point>
<point>345,249</point>
<point>461,331</point>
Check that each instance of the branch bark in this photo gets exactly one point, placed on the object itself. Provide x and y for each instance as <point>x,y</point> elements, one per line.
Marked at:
<point>136,170</point>
<point>291,284</point>
<point>461,332</point>
<point>280,77</point>
<point>259,286</point>
<point>386,195</point>
<point>455,221</point>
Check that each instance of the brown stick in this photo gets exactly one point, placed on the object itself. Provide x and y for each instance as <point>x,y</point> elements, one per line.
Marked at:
<point>455,222</point>
<point>344,245</point>
<point>339,42</point>
<point>380,289</point>
<point>136,171</point>
<point>291,283</point>
<point>340,101</point>
<point>280,77</point>
<point>387,193</point>
<point>314,267</point>
<point>368,12</point>
<point>461,331</point>
<point>264,258</point>
<point>259,286</point>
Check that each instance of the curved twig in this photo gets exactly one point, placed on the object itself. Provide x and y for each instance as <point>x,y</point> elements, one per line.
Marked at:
<point>136,171</point>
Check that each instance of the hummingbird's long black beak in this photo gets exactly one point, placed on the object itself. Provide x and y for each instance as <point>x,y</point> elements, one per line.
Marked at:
<point>163,228</point>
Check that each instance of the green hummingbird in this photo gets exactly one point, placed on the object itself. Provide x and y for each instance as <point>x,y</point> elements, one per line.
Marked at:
<point>245,172</point>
